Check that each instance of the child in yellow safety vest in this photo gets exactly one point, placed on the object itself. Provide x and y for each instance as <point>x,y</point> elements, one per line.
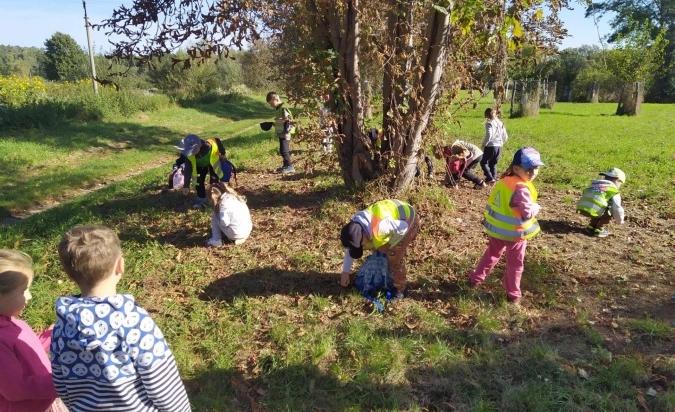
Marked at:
<point>509,222</point>
<point>602,202</point>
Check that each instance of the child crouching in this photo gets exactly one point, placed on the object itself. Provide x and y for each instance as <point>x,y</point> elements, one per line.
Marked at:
<point>601,202</point>
<point>230,216</point>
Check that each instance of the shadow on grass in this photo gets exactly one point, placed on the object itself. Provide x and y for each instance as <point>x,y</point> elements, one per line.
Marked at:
<point>243,108</point>
<point>460,370</point>
<point>105,135</point>
<point>268,281</point>
<point>274,198</point>
<point>297,387</point>
<point>559,226</point>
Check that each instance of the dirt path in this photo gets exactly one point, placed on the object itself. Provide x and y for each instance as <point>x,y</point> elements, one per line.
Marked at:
<point>47,204</point>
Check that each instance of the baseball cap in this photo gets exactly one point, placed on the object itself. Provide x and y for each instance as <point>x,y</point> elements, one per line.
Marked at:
<point>527,157</point>
<point>615,173</point>
<point>190,145</point>
<point>351,236</point>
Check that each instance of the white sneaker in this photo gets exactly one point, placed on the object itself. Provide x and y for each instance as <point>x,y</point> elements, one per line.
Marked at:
<point>214,243</point>
<point>240,241</point>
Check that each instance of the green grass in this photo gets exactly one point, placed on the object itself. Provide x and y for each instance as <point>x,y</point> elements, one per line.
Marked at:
<point>45,163</point>
<point>577,141</point>
<point>266,322</point>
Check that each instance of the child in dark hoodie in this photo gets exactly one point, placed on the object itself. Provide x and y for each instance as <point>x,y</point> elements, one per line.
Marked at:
<point>107,353</point>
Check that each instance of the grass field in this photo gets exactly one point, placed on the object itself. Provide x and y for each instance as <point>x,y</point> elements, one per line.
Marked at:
<point>264,326</point>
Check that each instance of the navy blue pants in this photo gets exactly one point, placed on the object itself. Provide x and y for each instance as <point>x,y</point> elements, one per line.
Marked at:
<point>491,155</point>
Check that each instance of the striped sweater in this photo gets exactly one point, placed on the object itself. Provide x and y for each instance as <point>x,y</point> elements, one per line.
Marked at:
<point>109,355</point>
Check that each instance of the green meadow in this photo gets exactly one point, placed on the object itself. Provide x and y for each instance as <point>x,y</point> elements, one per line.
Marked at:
<point>264,326</point>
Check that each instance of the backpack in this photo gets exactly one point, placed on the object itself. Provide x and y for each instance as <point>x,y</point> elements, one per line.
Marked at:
<point>229,170</point>
<point>176,178</point>
<point>374,276</point>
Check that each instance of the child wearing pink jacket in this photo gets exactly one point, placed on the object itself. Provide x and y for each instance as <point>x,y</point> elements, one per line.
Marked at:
<point>26,383</point>
<point>509,222</point>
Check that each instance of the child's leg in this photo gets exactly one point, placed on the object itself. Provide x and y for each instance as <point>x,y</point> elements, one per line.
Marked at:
<point>285,150</point>
<point>468,172</point>
<point>599,222</point>
<point>485,163</point>
<point>496,154</point>
<point>216,233</point>
<point>396,257</point>
<point>201,179</point>
<point>515,262</point>
<point>488,261</point>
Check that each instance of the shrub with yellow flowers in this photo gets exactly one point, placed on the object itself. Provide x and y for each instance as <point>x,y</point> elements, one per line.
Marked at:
<point>17,91</point>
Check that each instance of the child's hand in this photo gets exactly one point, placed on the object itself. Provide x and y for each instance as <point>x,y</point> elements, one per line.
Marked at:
<point>344,279</point>
<point>186,191</point>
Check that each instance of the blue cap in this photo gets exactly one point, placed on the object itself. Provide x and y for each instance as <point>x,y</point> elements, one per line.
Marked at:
<point>190,145</point>
<point>527,157</point>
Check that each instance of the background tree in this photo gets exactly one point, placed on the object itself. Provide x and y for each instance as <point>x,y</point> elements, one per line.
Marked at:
<point>21,61</point>
<point>324,45</point>
<point>64,59</point>
<point>659,15</point>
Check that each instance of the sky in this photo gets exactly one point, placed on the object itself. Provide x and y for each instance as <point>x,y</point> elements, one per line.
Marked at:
<point>30,22</point>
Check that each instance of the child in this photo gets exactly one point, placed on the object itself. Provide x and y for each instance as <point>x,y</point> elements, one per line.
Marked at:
<point>602,201</point>
<point>26,380</point>
<point>509,221</point>
<point>230,216</point>
<point>455,163</point>
<point>473,156</point>
<point>495,137</point>
<point>284,129</point>
<point>201,158</point>
<point>387,226</point>
<point>107,352</point>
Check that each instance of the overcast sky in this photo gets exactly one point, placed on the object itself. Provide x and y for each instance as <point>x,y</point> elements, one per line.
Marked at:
<point>31,22</point>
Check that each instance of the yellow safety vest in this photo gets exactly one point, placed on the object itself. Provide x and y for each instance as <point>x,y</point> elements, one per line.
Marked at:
<point>279,121</point>
<point>214,159</point>
<point>504,222</point>
<point>595,200</point>
<point>392,208</point>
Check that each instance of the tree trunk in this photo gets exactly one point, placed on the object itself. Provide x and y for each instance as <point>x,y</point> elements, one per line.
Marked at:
<point>345,36</point>
<point>500,65</point>
<point>433,59</point>
<point>630,100</point>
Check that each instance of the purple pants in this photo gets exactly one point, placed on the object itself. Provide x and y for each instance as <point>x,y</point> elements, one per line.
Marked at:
<point>515,256</point>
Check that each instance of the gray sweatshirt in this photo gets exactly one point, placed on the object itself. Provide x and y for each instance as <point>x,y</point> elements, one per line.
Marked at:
<point>495,133</point>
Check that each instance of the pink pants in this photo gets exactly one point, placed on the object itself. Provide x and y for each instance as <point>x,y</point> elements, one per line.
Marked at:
<point>515,255</point>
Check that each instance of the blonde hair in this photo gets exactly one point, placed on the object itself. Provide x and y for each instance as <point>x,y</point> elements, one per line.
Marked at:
<point>88,254</point>
<point>16,270</point>
<point>459,151</point>
<point>216,192</point>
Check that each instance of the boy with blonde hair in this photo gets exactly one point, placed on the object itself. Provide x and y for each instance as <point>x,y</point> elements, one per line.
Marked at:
<point>107,353</point>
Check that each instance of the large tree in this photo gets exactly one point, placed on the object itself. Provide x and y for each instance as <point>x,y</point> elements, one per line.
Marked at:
<point>64,58</point>
<point>660,16</point>
<point>425,48</point>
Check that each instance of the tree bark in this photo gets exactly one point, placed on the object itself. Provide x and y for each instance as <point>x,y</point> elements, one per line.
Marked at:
<point>433,59</point>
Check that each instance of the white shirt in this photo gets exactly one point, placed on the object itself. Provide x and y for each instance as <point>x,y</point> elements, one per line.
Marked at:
<point>388,227</point>
<point>234,218</point>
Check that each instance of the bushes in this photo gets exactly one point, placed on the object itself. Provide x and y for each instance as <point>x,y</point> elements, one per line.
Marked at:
<point>34,103</point>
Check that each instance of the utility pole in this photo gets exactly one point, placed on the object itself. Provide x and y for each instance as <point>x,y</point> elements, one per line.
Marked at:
<point>91,49</point>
